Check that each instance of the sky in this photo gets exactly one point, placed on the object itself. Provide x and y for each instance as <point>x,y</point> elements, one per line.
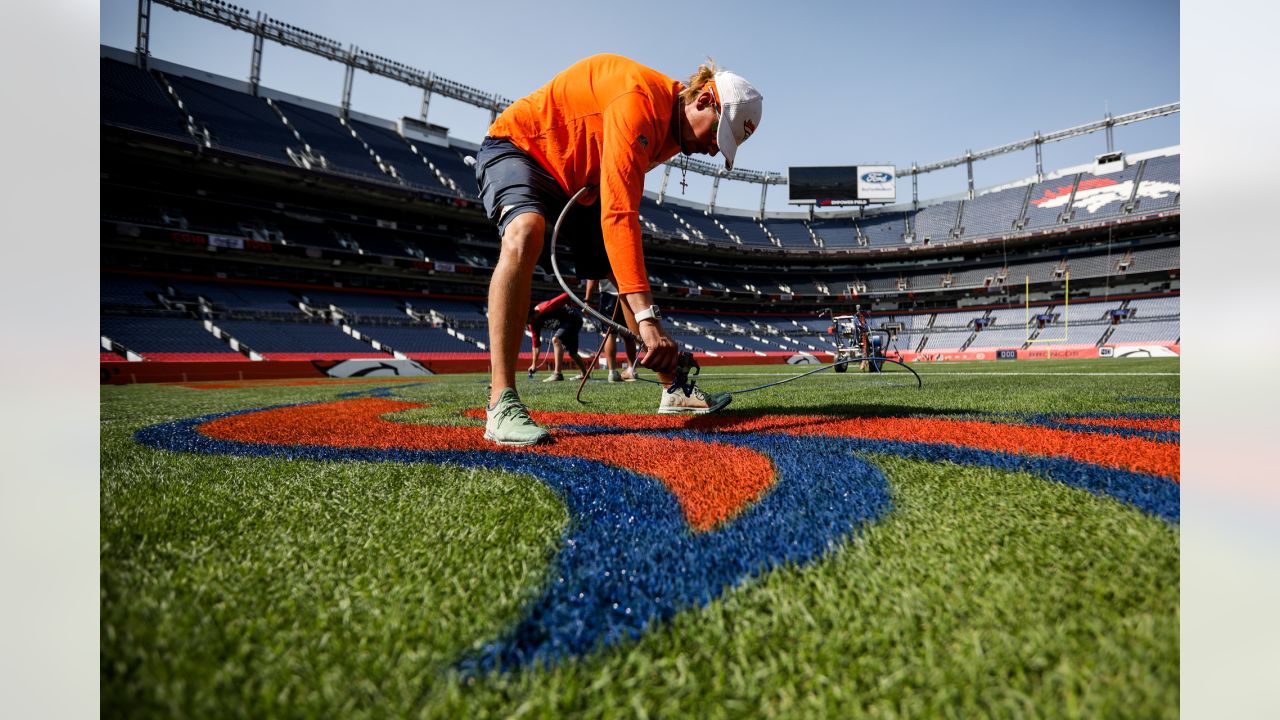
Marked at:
<point>844,83</point>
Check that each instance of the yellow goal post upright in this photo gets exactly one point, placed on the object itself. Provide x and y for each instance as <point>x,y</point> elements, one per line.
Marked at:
<point>1066,307</point>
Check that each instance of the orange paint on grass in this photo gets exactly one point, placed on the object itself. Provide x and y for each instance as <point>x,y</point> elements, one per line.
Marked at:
<point>1127,453</point>
<point>711,481</point>
<point>1158,424</point>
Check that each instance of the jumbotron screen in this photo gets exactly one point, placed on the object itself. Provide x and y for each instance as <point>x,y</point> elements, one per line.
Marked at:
<point>842,184</point>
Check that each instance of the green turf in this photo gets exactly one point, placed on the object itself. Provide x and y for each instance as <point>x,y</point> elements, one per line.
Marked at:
<point>236,587</point>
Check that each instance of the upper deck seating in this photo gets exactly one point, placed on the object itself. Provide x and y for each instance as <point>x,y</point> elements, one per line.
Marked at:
<point>236,120</point>
<point>130,97</point>
<point>327,136</point>
<point>993,213</point>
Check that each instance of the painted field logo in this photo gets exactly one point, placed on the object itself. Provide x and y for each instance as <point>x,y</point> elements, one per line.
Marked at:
<point>667,513</point>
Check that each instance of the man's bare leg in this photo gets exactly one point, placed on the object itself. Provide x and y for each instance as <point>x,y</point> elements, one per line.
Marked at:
<point>611,352</point>
<point>509,292</point>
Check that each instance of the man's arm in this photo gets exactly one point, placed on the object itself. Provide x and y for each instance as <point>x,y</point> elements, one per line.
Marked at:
<point>661,352</point>
<point>628,134</point>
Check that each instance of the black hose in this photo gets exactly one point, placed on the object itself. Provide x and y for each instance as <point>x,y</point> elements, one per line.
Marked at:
<point>625,331</point>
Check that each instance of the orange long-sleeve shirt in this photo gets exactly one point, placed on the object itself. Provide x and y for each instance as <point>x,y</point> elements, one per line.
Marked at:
<point>604,121</point>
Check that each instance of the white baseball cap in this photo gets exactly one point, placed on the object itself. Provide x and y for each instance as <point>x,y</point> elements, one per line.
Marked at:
<point>741,106</point>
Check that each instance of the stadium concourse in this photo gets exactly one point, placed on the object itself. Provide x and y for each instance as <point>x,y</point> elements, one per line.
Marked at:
<point>246,233</point>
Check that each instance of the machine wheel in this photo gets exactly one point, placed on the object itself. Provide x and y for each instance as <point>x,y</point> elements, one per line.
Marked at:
<point>842,368</point>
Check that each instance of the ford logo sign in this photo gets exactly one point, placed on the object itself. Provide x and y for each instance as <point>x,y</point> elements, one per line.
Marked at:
<point>877,177</point>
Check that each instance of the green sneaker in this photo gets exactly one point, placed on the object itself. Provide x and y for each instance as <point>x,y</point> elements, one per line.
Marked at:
<point>509,422</point>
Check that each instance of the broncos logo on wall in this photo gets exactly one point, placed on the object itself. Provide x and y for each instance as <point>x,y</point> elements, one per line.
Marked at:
<point>667,513</point>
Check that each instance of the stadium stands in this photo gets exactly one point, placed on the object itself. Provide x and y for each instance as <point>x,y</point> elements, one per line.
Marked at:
<point>1012,337</point>
<point>392,149</point>
<point>295,337</point>
<point>934,223</point>
<point>1160,187</point>
<point>126,292</point>
<point>1103,196</point>
<point>235,120</point>
<point>1165,307</point>
<point>130,97</point>
<point>1048,201</point>
<point>316,243</point>
<point>993,213</point>
<point>419,339</point>
<point>1159,331</point>
<point>836,233</point>
<point>747,230</point>
<point>883,230</point>
<point>326,135</point>
<point>147,335</point>
<point>364,306</point>
<point>793,234</point>
<point>451,165</point>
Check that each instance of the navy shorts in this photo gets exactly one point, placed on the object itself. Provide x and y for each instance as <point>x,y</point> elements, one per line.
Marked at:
<point>568,333</point>
<point>509,178</point>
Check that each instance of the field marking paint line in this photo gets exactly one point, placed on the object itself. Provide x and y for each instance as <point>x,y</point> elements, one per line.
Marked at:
<point>707,493</point>
<point>1104,449</point>
<point>627,559</point>
<point>631,556</point>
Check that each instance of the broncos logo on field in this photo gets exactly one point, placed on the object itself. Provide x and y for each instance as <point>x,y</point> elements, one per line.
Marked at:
<point>667,513</point>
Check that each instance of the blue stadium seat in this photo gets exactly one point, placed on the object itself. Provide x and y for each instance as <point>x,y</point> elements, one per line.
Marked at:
<point>934,223</point>
<point>420,339</point>
<point>291,337</point>
<point>793,234</point>
<point>993,213</point>
<point>161,335</point>
<point>327,136</point>
<point>1048,201</point>
<point>1161,185</point>
<point>131,98</point>
<point>836,233</point>
<point>1102,196</point>
<point>883,229</point>
<point>746,229</point>
<point>236,120</point>
<point>118,291</point>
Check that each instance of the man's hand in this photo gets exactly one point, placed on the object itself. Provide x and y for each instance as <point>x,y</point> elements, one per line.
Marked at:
<point>661,352</point>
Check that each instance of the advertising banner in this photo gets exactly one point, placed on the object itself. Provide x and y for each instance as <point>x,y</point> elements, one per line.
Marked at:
<point>226,241</point>
<point>877,183</point>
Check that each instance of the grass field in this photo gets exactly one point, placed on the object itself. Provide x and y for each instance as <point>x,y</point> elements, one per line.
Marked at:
<point>1002,542</point>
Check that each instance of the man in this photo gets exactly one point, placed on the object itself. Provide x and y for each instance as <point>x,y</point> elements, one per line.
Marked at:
<point>603,122</point>
<point>564,323</point>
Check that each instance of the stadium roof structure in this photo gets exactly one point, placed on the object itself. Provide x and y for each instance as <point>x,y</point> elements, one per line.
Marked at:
<point>263,28</point>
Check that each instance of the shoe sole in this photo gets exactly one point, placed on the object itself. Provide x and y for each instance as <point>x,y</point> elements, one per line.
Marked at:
<point>696,411</point>
<point>522,443</point>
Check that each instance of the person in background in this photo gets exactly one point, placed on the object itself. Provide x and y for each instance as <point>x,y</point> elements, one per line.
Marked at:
<point>565,323</point>
<point>608,304</point>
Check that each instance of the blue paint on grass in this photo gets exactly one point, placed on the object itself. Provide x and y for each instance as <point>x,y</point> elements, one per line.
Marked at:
<point>1057,422</point>
<point>628,559</point>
